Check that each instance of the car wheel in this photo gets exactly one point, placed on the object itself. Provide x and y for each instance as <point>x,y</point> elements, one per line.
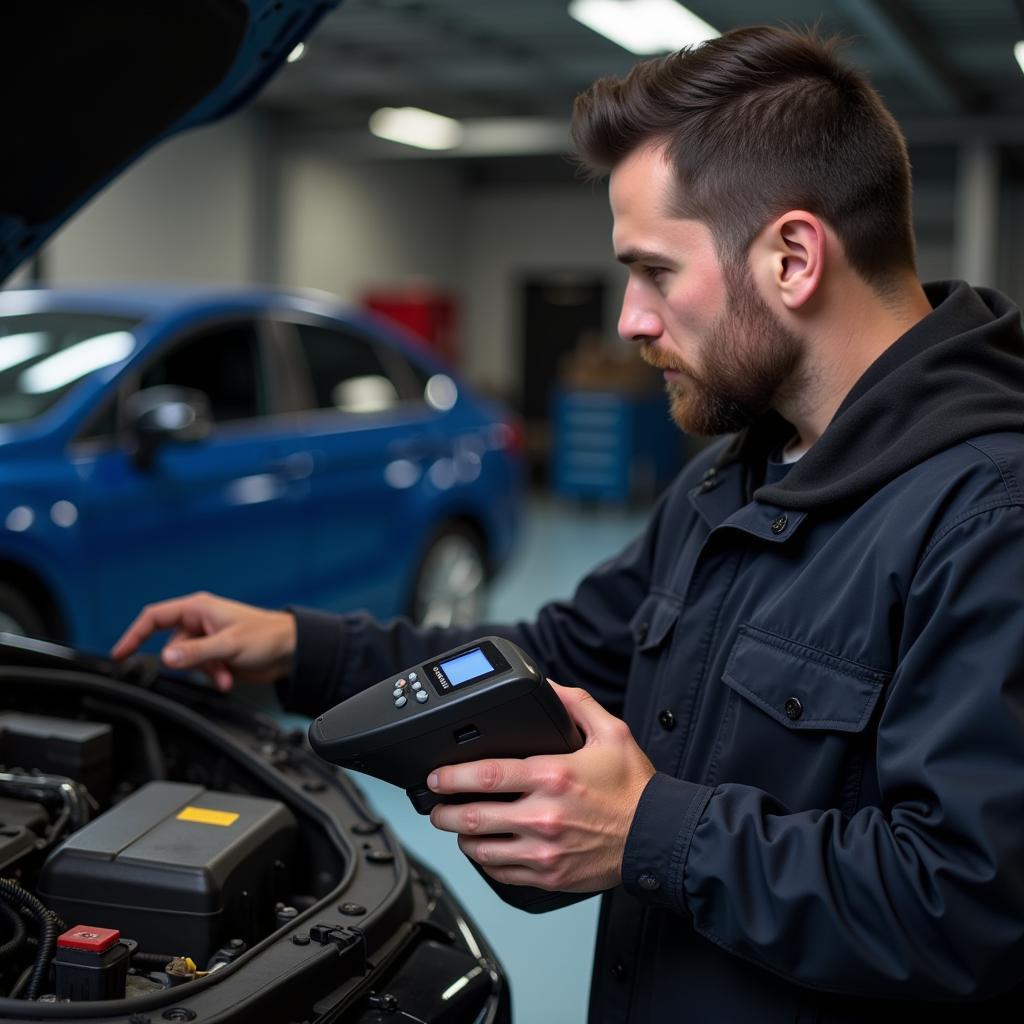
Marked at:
<point>18,615</point>
<point>451,581</point>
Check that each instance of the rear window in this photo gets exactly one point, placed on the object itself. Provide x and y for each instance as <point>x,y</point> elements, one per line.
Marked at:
<point>43,356</point>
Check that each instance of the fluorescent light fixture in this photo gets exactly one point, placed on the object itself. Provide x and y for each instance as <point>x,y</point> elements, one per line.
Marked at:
<point>20,348</point>
<point>415,127</point>
<point>643,26</point>
<point>297,53</point>
<point>1018,52</point>
<point>68,365</point>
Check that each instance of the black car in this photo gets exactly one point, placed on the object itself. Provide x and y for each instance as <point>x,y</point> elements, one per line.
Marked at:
<point>167,855</point>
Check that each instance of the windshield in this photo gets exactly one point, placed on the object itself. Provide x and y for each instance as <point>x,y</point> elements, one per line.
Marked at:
<point>44,355</point>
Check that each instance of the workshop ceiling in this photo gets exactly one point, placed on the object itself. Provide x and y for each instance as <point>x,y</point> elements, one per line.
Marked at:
<point>945,67</point>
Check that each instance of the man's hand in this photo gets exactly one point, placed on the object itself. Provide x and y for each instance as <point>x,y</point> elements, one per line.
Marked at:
<point>225,639</point>
<point>569,827</point>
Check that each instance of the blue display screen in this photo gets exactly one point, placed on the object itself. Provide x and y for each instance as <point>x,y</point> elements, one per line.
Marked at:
<point>466,667</point>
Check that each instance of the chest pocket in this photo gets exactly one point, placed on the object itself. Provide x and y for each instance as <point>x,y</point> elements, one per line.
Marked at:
<point>796,724</point>
<point>801,687</point>
<point>651,628</point>
<point>653,621</point>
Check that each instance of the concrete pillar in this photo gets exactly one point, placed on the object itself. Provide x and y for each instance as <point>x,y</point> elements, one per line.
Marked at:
<point>976,233</point>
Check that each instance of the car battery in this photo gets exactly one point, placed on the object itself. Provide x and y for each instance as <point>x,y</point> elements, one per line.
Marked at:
<point>59,746</point>
<point>179,869</point>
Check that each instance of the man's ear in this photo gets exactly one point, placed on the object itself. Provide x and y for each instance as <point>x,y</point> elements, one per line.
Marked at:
<point>793,248</point>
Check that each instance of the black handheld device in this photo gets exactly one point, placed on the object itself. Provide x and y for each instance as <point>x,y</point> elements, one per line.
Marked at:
<point>482,699</point>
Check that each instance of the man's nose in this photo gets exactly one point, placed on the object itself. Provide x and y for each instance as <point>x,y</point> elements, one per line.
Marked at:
<point>637,321</point>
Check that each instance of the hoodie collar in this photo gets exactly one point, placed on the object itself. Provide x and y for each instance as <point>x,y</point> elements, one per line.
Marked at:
<point>957,374</point>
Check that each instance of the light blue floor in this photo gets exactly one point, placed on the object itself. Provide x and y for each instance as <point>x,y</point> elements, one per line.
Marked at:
<point>547,957</point>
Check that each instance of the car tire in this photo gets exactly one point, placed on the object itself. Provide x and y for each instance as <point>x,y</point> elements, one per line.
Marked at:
<point>451,581</point>
<point>18,615</point>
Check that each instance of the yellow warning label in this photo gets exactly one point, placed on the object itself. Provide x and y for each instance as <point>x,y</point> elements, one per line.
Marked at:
<point>204,816</point>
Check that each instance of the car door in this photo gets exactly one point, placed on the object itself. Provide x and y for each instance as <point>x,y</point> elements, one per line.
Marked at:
<point>367,436</point>
<point>212,514</point>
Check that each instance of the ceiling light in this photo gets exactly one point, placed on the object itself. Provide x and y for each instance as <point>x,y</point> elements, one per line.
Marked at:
<point>415,127</point>
<point>297,53</point>
<point>643,26</point>
<point>1018,52</point>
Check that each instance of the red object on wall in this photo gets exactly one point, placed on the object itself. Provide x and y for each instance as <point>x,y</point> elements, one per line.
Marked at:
<point>427,313</point>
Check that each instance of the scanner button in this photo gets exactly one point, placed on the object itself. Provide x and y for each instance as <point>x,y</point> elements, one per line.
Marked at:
<point>421,696</point>
<point>400,684</point>
<point>396,693</point>
<point>417,685</point>
<point>400,702</point>
<point>412,677</point>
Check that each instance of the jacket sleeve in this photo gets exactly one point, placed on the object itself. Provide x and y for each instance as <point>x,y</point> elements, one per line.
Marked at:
<point>923,895</point>
<point>585,641</point>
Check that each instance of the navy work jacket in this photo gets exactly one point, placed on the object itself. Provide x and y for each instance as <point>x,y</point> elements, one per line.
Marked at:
<point>833,698</point>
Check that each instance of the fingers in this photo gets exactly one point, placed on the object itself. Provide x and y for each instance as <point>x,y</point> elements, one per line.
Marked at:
<point>152,618</point>
<point>511,775</point>
<point>515,861</point>
<point>485,818</point>
<point>196,652</point>
<point>592,719</point>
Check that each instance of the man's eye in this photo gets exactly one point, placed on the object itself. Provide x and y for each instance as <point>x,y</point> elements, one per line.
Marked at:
<point>654,273</point>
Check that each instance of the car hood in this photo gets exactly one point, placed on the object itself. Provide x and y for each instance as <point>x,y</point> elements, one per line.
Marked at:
<point>91,87</point>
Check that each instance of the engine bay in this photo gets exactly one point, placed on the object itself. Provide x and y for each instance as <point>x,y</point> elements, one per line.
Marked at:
<point>169,853</point>
<point>156,847</point>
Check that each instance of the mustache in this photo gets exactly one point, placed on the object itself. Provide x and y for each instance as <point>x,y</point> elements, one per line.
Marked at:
<point>662,361</point>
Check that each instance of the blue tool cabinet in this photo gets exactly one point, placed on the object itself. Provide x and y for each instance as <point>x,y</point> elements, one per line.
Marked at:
<point>613,446</point>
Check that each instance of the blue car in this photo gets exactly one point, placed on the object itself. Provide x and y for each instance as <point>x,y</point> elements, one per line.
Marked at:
<point>267,446</point>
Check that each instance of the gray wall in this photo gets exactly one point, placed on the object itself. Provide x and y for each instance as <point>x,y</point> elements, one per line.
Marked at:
<point>512,231</point>
<point>186,212</point>
<point>348,226</point>
<point>249,201</point>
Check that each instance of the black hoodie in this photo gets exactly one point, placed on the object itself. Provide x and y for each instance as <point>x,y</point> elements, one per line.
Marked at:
<point>961,372</point>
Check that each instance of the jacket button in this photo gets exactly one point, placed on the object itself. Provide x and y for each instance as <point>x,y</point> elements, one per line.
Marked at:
<point>794,709</point>
<point>641,631</point>
<point>667,720</point>
<point>779,523</point>
<point>648,881</point>
<point>618,972</point>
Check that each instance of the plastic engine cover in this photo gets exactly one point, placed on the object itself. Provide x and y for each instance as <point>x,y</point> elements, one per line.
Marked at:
<point>176,867</point>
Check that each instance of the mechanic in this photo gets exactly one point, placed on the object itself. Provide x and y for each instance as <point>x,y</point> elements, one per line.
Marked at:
<point>802,791</point>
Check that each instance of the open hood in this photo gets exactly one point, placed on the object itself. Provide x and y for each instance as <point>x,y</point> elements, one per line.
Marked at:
<point>90,87</point>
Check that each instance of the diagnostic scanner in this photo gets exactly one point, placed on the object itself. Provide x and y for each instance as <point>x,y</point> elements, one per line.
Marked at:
<point>485,699</point>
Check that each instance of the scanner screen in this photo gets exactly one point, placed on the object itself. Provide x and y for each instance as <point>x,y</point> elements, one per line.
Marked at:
<point>466,667</point>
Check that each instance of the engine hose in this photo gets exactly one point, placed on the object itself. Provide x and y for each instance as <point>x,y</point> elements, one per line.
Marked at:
<point>160,960</point>
<point>50,925</point>
<point>18,938</point>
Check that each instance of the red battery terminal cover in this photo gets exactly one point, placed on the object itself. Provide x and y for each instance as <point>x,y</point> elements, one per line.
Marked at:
<point>89,939</point>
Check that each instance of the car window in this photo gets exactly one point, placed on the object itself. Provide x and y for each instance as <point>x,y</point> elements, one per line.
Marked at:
<point>347,370</point>
<point>43,356</point>
<point>411,377</point>
<point>222,362</point>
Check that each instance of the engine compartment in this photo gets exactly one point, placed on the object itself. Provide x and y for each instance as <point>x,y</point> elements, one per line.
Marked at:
<point>123,812</point>
<point>167,853</point>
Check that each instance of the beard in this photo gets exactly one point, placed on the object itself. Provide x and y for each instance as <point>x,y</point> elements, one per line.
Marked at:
<point>747,357</point>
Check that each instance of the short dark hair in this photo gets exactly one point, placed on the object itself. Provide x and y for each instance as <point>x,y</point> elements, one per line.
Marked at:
<point>757,122</point>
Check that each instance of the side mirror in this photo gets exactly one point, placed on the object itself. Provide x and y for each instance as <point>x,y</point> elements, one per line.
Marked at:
<point>164,415</point>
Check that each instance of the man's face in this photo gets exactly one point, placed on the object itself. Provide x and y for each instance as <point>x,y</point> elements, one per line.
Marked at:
<point>724,353</point>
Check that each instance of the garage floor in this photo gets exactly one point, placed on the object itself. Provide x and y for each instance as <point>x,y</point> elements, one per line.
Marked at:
<point>547,957</point>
